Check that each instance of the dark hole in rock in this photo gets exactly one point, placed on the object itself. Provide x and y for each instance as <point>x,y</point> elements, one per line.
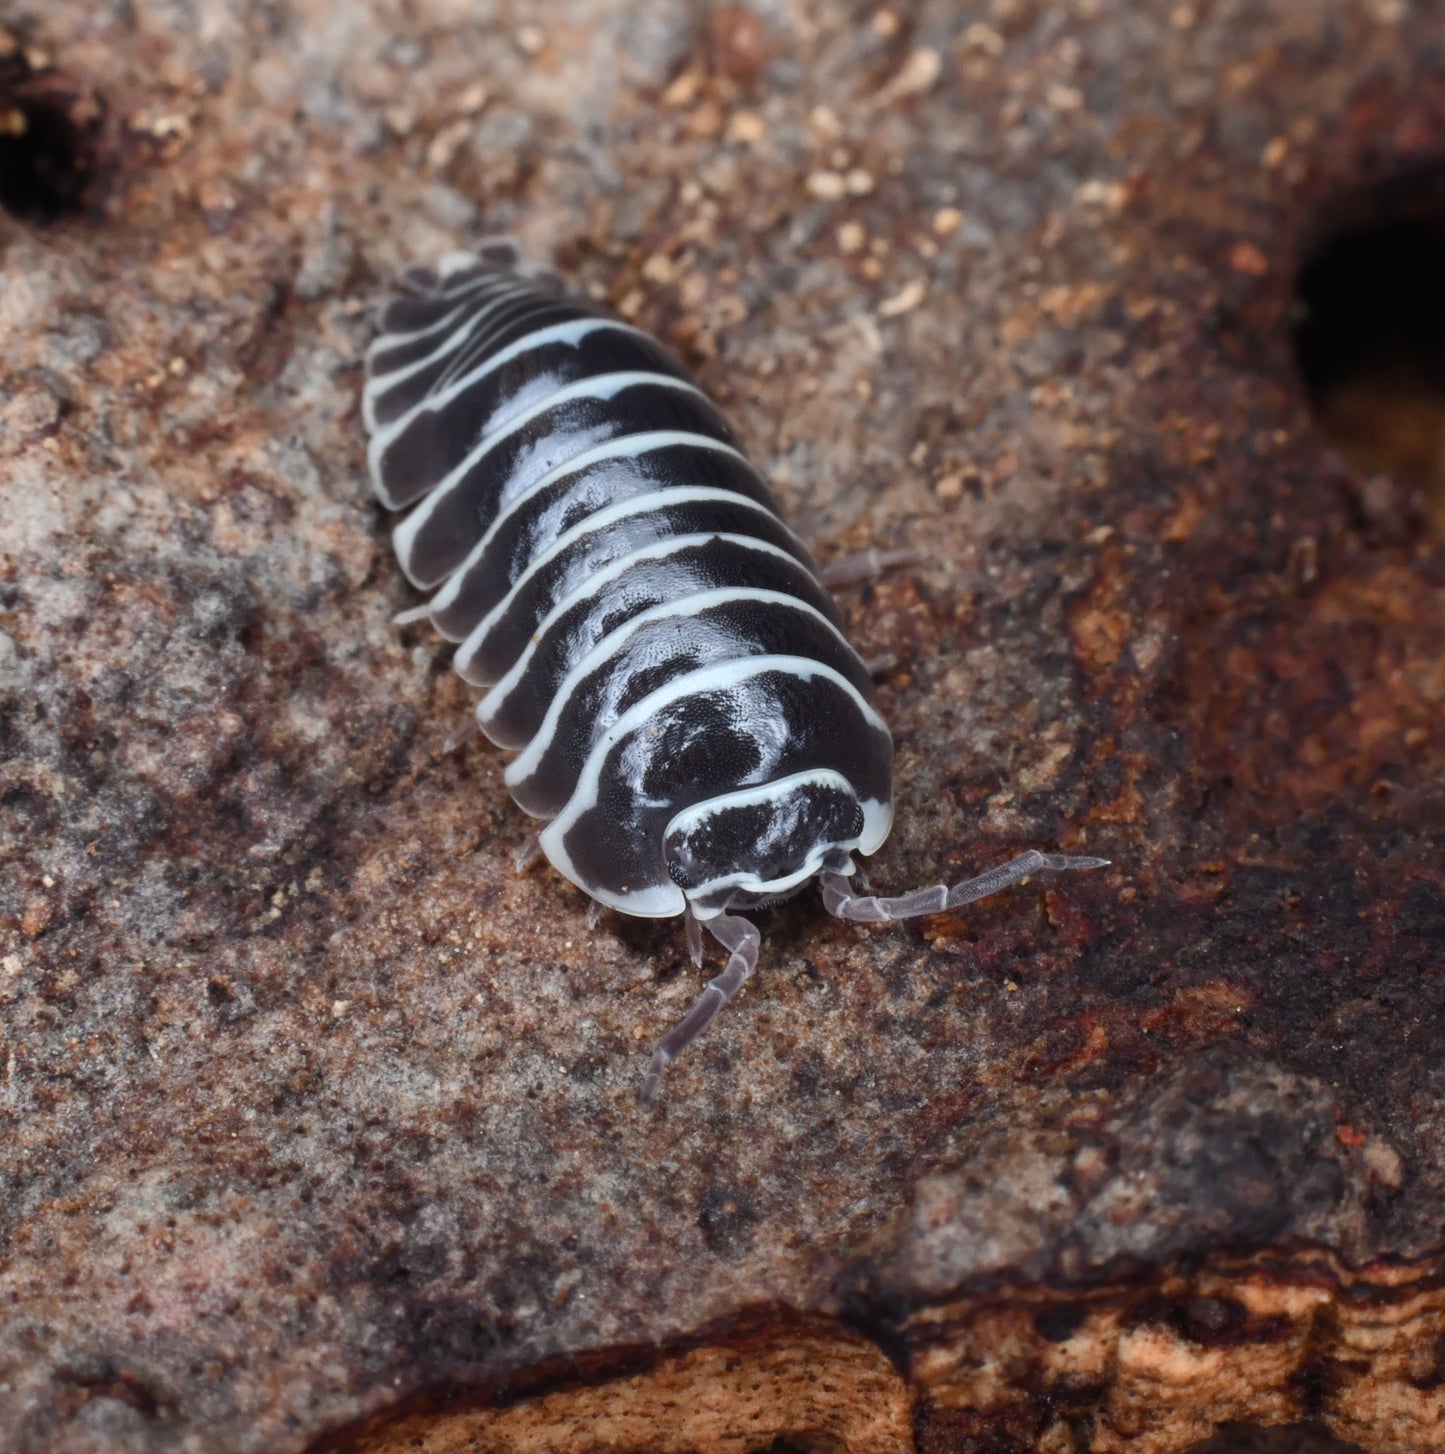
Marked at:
<point>804,1443</point>
<point>49,129</point>
<point>1283,1439</point>
<point>1369,338</point>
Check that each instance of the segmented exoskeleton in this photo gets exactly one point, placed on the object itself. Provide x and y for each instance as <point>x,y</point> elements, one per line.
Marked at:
<point>654,642</point>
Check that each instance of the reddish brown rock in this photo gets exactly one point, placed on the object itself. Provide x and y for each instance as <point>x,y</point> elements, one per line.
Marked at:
<point>316,1117</point>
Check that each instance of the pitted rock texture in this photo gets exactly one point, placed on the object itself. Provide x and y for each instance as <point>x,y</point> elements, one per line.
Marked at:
<point>314,1113</point>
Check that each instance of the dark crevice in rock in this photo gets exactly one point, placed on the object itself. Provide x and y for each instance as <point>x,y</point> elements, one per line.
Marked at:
<point>1369,338</point>
<point>50,126</point>
<point>1285,1439</point>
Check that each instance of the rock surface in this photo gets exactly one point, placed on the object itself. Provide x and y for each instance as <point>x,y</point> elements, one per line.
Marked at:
<point>315,1115</point>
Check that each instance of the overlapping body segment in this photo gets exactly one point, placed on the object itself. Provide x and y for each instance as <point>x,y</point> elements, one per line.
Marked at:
<point>531,521</point>
<point>613,571</point>
<point>433,435</point>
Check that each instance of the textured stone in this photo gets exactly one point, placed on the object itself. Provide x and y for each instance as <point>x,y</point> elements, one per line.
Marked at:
<point>315,1115</point>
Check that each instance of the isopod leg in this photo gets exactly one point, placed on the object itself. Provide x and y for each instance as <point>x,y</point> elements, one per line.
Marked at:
<point>460,734</point>
<point>872,910</point>
<point>742,941</point>
<point>527,854</point>
<point>848,570</point>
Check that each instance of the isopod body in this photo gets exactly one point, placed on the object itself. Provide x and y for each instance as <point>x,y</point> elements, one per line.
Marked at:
<point>652,640</point>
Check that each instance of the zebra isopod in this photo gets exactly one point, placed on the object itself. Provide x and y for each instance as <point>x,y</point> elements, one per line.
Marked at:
<point>652,640</point>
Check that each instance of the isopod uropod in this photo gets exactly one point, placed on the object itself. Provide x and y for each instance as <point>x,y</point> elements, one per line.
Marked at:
<point>655,644</point>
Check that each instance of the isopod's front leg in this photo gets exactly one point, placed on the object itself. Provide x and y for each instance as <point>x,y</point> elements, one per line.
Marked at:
<point>864,565</point>
<point>849,570</point>
<point>460,734</point>
<point>464,731</point>
<point>694,937</point>
<point>742,940</point>
<point>872,910</point>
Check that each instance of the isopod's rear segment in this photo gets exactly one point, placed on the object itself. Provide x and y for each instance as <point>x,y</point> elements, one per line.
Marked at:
<point>653,640</point>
